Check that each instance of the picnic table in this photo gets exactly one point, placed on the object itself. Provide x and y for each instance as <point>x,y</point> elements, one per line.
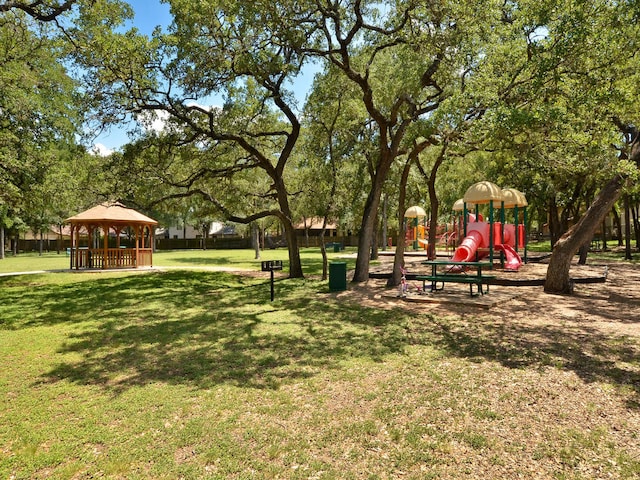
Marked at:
<point>456,272</point>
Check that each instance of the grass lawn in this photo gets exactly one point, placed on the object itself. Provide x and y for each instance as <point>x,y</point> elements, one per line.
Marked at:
<point>196,374</point>
<point>237,259</point>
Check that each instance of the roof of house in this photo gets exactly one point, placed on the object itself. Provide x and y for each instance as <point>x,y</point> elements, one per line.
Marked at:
<point>111,212</point>
<point>315,223</point>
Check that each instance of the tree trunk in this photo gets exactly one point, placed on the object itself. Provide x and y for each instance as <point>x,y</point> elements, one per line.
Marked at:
<point>1,242</point>
<point>636,225</point>
<point>365,239</point>
<point>627,229</point>
<point>398,259</point>
<point>385,202</point>
<point>374,239</point>
<point>433,200</point>
<point>618,225</point>
<point>323,247</point>
<point>60,239</point>
<point>295,265</point>
<point>558,280</point>
<point>285,216</point>
<point>255,239</point>
<point>583,252</point>
<point>554,221</point>
<point>367,226</point>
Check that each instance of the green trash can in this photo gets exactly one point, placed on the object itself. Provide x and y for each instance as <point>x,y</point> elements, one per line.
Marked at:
<point>336,247</point>
<point>337,276</point>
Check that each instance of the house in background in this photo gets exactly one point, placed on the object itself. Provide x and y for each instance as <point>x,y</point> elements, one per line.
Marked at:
<point>313,226</point>
<point>189,232</point>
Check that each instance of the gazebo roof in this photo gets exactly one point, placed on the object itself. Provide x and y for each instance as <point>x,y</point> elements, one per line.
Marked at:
<point>113,213</point>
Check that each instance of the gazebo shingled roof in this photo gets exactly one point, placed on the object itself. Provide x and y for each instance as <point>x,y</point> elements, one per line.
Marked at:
<point>111,212</point>
<point>107,217</point>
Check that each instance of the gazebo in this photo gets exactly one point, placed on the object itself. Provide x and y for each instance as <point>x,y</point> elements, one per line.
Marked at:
<point>107,252</point>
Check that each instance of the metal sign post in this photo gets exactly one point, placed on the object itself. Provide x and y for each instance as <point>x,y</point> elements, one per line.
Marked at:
<point>271,266</point>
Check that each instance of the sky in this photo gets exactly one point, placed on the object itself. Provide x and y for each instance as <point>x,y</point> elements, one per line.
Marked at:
<point>148,15</point>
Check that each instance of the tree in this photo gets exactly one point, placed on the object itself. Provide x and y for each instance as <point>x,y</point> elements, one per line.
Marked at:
<point>234,49</point>
<point>38,9</point>
<point>558,280</point>
<point>39,114</point>
<point>371,54</point>
<point>334,121</point>
<point>596,68</point>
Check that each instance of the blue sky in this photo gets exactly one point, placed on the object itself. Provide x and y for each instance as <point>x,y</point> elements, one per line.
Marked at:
<point>148,15</point>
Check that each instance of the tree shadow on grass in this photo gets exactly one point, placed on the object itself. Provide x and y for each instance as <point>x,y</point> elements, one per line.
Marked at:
<point>589,353</point>
<point>204,329</point>
<point>208,328</point>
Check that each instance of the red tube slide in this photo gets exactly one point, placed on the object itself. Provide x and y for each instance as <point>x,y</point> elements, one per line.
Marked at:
<point>467,249</point>
<point>513,259</point>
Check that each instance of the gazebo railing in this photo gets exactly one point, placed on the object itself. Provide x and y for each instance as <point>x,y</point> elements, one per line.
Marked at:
<point>110,258</point>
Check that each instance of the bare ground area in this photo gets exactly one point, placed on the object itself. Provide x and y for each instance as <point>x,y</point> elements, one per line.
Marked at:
<point>560,372</point>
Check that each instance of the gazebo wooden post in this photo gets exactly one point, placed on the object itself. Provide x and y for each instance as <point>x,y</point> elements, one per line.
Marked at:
<point>71,252</point>
<point>105,243</point>
<point>77,246</point>
<point>152,243</point>
<point>137,245</point>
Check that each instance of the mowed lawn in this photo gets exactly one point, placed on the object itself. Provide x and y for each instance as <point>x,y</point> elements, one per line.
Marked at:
<point>196,374</point>
<point>232,259</point>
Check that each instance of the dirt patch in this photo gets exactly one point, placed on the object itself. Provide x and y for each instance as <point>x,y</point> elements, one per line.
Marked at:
<point>613,305</point>
<point>595,331</point>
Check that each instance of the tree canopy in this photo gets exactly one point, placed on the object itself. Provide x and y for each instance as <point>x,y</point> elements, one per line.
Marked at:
<point>542,94</point>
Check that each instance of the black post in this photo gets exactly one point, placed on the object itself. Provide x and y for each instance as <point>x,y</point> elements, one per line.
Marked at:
<point>272,285</point>
<point>270,266</point>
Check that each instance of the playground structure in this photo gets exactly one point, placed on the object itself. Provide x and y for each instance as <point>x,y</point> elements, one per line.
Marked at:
<point>473,237</point>
<point>415,232</point>
<point>483,239</point>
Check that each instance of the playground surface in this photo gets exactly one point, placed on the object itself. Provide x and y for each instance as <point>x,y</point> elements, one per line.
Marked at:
<point>612,306</point>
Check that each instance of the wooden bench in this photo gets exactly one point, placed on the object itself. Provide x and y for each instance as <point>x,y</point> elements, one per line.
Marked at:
<point>477,280</point>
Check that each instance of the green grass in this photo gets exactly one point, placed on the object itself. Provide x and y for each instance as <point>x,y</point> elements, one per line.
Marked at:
<point>196,374</point>
<point>30,262</point>
<point>239,259</point>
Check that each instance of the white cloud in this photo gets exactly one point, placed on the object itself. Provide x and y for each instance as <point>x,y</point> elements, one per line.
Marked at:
<point>100,150</point>
<point>157,121</point>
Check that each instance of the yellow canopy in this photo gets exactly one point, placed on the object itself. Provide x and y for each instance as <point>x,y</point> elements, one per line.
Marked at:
<point>513,198</point>
<point>483,192</point>
<point>415,212</point>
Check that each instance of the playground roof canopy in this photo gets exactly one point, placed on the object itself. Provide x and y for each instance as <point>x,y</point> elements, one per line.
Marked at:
<point>483,192</point>
<point>415,212</point>
<point>458,205</point>
<point>513,198</point>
